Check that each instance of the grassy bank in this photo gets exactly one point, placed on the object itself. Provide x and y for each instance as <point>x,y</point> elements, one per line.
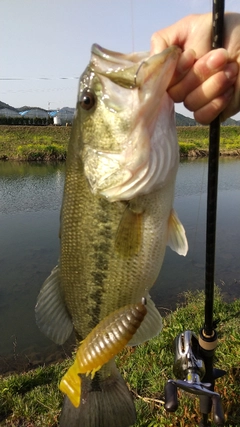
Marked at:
<point>50,143</point>
<point>32,399</point>
<point>34,142</point>
<point>193,140</point>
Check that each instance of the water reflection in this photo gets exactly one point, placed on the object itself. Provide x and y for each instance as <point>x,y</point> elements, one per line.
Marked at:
<point>27,187</point>
<point>30,200</point>
<point>179,274</point>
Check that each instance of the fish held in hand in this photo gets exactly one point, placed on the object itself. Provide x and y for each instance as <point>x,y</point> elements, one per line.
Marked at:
<point>117,218</point>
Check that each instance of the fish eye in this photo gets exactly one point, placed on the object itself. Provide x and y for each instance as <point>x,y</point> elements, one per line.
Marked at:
<point>87,99</point>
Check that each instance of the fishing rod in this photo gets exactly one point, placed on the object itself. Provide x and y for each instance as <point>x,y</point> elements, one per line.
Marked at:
<point>193,366</point>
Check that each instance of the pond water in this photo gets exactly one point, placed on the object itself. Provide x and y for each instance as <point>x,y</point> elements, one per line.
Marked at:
<point>30,200</point>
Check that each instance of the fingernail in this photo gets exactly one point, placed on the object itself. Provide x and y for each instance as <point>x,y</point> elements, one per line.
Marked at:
<point>231,70</point>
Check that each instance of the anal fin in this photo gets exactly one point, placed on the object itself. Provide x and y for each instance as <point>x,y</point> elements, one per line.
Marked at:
<point>150,326</point>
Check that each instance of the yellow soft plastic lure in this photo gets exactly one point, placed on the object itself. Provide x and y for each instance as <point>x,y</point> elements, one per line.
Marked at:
<point>104,342</point>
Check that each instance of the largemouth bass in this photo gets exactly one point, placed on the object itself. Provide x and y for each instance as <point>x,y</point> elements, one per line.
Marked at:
<point>117,218</point>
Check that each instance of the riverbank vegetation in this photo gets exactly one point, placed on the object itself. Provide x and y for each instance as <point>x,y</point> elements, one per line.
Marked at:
<point>32,399</point>
<point>193,140</point>
<point>34,142</point>
<point>50,142</point>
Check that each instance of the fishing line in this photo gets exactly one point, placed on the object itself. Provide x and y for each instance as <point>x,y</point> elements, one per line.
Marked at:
<point>54,89</point>
<point>37,78</point>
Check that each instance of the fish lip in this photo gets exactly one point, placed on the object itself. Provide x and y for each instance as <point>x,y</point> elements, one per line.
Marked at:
<point>171,53</point>
<point>105,53</point>
<point>117,57</point>
<point>124,69</point>
<point>131,58</point>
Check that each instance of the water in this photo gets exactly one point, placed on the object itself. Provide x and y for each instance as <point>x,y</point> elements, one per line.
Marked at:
<point>179,274</point>
<point>30,200</point>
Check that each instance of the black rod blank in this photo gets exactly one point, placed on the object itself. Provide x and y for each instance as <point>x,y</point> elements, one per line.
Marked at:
<point>213,161</point>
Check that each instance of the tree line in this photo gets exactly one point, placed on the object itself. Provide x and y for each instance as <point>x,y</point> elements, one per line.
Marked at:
<point>25,121</point>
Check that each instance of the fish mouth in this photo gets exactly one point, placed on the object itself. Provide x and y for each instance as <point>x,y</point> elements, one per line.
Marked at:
<point>120,68</point>
<point>131,70</point>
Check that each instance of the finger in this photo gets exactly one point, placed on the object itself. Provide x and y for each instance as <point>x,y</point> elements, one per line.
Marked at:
<point>158,44</point>
<point>176,34</point>
<point>191,32</point>
<point>209,112</point>
<point>205,67</point>
<point>185,62</point>
<point>215,86</point>
<point>234,106</point>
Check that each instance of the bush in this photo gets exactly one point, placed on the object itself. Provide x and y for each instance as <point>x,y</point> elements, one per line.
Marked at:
<point>39,152</point>
<point>185,147</point>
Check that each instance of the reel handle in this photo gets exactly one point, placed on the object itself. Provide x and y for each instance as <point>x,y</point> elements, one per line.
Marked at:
<point>171,400</point>
<point>201,390</point>
<point>218,414</point>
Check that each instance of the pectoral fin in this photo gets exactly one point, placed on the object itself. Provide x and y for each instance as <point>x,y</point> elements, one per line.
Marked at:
<point>51,314</point>
<point>129,234</point>
<point>176,235</point>
<point>150,326</point>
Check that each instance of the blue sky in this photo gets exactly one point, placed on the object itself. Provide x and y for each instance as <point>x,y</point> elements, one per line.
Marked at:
<point>45,44</point>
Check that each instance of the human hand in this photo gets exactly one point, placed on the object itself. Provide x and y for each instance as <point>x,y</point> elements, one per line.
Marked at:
<point>208,82</point>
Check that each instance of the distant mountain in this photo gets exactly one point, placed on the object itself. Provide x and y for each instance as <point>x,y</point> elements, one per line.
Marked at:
<point>180,119</point>
<point>231,122</point>
<point>184,121</point>
<point>68,109</point>
<point>26,107</point>
<point>3,105</point>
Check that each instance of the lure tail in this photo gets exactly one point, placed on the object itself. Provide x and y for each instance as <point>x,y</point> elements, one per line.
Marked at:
<point>105,402</point>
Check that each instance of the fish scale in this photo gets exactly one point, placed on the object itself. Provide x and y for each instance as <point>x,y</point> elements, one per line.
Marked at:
<point>111,277</point>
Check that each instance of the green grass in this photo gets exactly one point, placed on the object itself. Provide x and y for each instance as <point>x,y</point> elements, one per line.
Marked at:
<point>33,142</point>
<point>32,399</point>
<point>42,152</point>
<point>193,141</point>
